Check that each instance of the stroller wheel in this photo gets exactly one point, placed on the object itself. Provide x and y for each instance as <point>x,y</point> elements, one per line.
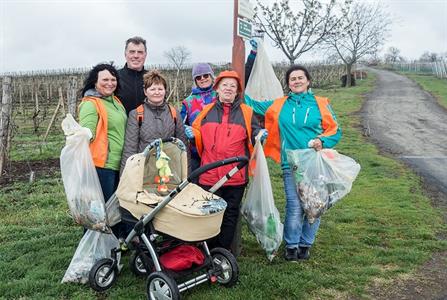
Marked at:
<point>162,286</point>
<point>226,267</point>
<point>137,265</point>
<point>98,278</point>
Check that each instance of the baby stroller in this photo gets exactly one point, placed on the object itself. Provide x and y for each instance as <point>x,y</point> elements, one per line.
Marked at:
<point>165,219</point>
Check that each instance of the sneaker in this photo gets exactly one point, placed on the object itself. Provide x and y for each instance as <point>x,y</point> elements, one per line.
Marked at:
<point>291,254</point>
<point>304,253</point>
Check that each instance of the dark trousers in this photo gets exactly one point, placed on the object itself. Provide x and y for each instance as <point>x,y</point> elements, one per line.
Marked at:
<point>109,180</point>
<point>233,196</point>
<point>194,163</point>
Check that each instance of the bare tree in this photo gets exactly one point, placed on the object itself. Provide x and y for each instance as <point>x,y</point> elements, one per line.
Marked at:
<point>295,33</point>
<point>365,29</point>
<point>178,56</point>
<point>393,55</point>
<point>428,57</point>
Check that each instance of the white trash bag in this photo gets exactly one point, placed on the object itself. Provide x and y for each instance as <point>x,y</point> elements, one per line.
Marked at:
<point>259,208</point>
<point>93,246</point>
<point>81,183</point>
<point>263,83</point>
<point>322,178</point>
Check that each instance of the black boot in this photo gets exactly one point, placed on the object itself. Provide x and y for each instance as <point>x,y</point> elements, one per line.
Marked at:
<point>304,253</point>
<point>291,254</point>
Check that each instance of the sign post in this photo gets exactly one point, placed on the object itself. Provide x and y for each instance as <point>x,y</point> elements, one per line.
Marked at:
<point>242,28</point>
<point>238,55</point>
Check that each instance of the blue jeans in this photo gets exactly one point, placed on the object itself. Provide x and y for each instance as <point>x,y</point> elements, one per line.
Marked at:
<point>109,180</point>
<point>297,230</point>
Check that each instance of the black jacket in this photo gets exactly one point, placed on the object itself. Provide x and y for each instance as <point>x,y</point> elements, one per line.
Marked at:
<point>131,91</point>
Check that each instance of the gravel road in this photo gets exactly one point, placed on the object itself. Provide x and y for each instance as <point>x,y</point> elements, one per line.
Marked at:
<point>408,123</point>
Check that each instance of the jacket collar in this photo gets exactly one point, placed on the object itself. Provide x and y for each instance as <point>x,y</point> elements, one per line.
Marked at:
<point>133,71</point>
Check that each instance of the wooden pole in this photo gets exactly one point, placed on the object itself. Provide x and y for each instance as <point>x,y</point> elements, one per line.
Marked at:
<point>71,96</point>
<point>52,119</point>
<point>5,118</point>
<point>61,101</point>
<point>238,58</point>
<point>238,54</point>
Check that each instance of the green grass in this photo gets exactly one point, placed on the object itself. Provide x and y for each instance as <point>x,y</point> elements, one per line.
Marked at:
<point>384,228</point>
<point>435,86</point>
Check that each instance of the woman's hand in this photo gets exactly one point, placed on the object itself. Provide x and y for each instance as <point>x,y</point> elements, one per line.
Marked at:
<point>316,144</point>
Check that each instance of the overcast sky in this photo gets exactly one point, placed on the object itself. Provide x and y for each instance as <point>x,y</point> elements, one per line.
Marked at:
<point>55,34</point>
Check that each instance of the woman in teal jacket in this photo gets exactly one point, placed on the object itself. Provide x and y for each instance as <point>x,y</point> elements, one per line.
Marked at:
<point>297,121</point>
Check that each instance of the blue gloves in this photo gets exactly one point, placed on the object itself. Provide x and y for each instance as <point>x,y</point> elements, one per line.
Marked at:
<point>188,131</point>
<point>254,45</point>
<point>264,135</point>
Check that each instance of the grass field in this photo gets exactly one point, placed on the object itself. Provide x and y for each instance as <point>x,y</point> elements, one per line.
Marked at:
<point>384,228</point>
<point>436,86</point>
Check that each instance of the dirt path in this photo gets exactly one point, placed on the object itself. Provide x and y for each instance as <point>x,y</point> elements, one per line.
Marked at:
<point>405,121</point>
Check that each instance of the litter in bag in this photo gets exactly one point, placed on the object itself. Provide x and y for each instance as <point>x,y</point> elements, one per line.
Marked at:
<point>81,183</point>
<point>259,208</point>
<point>93,246</point>
<point>322,178</point>
<point>263,83</point>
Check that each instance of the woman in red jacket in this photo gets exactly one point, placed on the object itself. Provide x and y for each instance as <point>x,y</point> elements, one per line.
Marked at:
<point>225,129</point>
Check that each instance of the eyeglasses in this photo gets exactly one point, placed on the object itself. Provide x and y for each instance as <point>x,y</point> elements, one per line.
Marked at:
<point>204,76</point>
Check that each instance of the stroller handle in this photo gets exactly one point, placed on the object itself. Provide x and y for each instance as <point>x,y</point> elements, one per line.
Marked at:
<point>158,142</point>
<point>243,160</point>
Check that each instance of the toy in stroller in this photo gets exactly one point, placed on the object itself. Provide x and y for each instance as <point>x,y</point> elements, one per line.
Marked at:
<point>170,216</point>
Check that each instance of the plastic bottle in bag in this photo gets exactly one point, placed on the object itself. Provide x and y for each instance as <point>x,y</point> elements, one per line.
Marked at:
<point>271,227</point>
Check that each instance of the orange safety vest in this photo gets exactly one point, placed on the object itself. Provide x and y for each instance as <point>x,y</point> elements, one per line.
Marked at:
<point>272,146</point>
<point>247,112</point>
<point>100,145</point>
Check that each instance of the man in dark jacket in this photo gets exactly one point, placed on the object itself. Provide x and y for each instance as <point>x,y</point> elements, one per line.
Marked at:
<point>131,91</point>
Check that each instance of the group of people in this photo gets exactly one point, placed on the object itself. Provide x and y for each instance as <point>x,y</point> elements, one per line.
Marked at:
<point>127,109</point>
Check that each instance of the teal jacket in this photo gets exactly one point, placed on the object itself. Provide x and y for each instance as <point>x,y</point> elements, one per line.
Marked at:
<point>299,122</point>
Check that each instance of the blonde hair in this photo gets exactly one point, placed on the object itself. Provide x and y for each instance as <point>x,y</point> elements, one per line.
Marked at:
<point>154,77</point>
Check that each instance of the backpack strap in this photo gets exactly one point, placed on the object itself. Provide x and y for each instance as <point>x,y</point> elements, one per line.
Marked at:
<point>140,115</point>
<point>173,113</point>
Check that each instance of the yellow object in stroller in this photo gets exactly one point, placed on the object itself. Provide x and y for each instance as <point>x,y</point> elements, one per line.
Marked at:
<point>186,215</point>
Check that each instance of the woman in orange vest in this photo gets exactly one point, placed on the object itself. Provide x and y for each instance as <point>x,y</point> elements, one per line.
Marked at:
<point>297,121</point>
<point>224,129</point>
<point>102,112</point>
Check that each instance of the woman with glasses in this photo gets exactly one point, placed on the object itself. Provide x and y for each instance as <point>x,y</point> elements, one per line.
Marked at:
<point>202,94</point>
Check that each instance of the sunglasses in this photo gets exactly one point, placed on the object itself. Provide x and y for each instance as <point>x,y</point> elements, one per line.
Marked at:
<point>204,76</point>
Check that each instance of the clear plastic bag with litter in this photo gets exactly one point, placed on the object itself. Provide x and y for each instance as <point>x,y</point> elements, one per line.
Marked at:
<point>322,178</point>
<point>81,183</point>
<point>259,208</point>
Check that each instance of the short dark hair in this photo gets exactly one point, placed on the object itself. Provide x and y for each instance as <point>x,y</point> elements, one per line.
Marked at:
<point>136,40</point>
<point>154,77</point>
<point>92,77</point>
<point>297,68</point>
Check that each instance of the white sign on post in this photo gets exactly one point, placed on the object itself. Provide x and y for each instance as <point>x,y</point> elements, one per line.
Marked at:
<point>244,29</point>
<point>245,9</point>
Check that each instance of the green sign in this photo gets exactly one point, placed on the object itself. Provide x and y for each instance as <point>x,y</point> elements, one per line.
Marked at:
<point>244,28</point>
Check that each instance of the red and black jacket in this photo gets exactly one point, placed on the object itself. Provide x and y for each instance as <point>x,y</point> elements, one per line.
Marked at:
<point>224,130</point>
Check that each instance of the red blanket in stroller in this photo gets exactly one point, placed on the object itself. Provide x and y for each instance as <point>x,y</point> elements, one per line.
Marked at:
<point>182,257</point>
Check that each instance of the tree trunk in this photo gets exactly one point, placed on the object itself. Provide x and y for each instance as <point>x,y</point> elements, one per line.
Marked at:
<point>348,75</point>
<point>5,118</point>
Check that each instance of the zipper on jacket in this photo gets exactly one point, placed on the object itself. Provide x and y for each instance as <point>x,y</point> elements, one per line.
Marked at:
<point>307,114</point>
<point>293,116</point>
